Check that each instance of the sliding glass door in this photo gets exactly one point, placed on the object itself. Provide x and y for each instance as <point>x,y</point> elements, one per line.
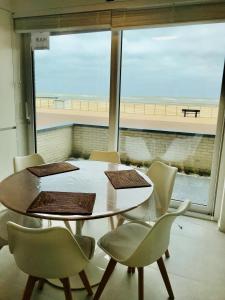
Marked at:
<point>72,95</point>
<point>170,90</point>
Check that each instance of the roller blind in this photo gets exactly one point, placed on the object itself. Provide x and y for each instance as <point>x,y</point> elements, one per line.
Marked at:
<point>168,15</point>
<point>121,19</point>
<point>76,21</point>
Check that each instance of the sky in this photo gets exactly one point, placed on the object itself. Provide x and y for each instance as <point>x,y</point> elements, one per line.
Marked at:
<point>181,61</point>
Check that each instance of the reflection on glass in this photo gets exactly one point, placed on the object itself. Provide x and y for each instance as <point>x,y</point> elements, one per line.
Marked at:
<point>170,90</point>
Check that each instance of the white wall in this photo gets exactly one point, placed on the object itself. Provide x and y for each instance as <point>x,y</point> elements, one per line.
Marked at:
<point>220,197</point>
<point>8,141</point>
<point>6,71</point>
<point>222,214</point>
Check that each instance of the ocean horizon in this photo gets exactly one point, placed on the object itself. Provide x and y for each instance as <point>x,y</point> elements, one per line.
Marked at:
<point>136,99</point>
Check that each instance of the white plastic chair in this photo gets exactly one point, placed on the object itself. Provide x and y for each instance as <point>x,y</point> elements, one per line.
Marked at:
<point>137,245</point>
<point>163,177</point>
<point>8,215</point>
<point>107,156</point>
<point>50,253</point>
<point>20,163</point>
<point>23,162</point>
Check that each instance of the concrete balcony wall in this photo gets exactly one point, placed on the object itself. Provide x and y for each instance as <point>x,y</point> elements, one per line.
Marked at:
<point>55,143</point>
<point>87,138</point>
<point>190,152</point>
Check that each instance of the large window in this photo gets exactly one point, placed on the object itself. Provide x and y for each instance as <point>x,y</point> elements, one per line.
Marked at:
<point>72,95</point>
<point>171,83</point>
<point>170,90</point>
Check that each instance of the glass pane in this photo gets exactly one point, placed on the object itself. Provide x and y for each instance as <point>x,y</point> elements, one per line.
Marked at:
<point>171,83</point>
<point>72,95</point>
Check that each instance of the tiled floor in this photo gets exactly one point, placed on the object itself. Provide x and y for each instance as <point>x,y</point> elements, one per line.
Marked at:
<point>196,268</point>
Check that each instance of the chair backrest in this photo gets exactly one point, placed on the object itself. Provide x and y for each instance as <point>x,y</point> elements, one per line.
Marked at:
<point>23,162</point>
<point>107,156</point>
<point>157,239</point>
<point>46,253</point>
<point>163,177</point>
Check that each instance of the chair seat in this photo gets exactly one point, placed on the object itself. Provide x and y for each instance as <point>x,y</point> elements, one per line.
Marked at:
<point>87,244</point>
<point>121,243</point>
<point>8,215</point>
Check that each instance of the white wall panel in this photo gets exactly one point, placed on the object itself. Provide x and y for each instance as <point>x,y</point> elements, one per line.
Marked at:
<point>8,142</point>
<point>7,152</point>
<point>7,109</point>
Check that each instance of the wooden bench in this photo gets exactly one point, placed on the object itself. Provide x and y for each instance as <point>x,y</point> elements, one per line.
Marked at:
<point>190,111</point>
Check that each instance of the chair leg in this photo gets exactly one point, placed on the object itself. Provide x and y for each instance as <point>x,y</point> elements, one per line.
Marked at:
<point>111,266</point>
<point>86,283</point>
<point>111,222</point>
<point>41,284</point>
<point>120,221</point>
<point>29,287</point>
<point>67,290</point>
<point>167,254</point>
<point>165,277</point>
<point>140,283</point>
<point>131,270</point>
<point>79,226</point>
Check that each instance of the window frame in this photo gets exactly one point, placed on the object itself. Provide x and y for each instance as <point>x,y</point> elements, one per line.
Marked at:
<point>114,113</point>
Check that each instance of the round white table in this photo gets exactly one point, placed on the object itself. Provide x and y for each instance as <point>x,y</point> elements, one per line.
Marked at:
<point>19,190</point>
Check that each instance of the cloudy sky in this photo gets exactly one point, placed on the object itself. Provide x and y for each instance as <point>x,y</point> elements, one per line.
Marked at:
<point>184,61</point>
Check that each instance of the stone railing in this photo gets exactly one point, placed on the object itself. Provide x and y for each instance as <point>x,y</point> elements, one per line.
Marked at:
<point>190,152</point>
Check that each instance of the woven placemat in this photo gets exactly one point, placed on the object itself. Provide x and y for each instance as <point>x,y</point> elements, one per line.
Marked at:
<point>51,169</point>
<point>64,203</point>
<point>126,179</point>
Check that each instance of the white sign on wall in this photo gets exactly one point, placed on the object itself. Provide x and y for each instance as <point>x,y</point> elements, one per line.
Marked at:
<point>40,40</point>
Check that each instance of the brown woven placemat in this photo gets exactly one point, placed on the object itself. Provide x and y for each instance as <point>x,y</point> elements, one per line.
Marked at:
<point>64,203</point>
<point>51,169</point>
<point>126,179</point>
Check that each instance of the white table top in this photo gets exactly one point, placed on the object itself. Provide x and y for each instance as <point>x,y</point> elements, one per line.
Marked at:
<point>19,190</point>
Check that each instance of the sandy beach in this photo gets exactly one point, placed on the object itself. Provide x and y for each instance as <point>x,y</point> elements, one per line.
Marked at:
<point>161,116</point>
<point>49,117</point>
